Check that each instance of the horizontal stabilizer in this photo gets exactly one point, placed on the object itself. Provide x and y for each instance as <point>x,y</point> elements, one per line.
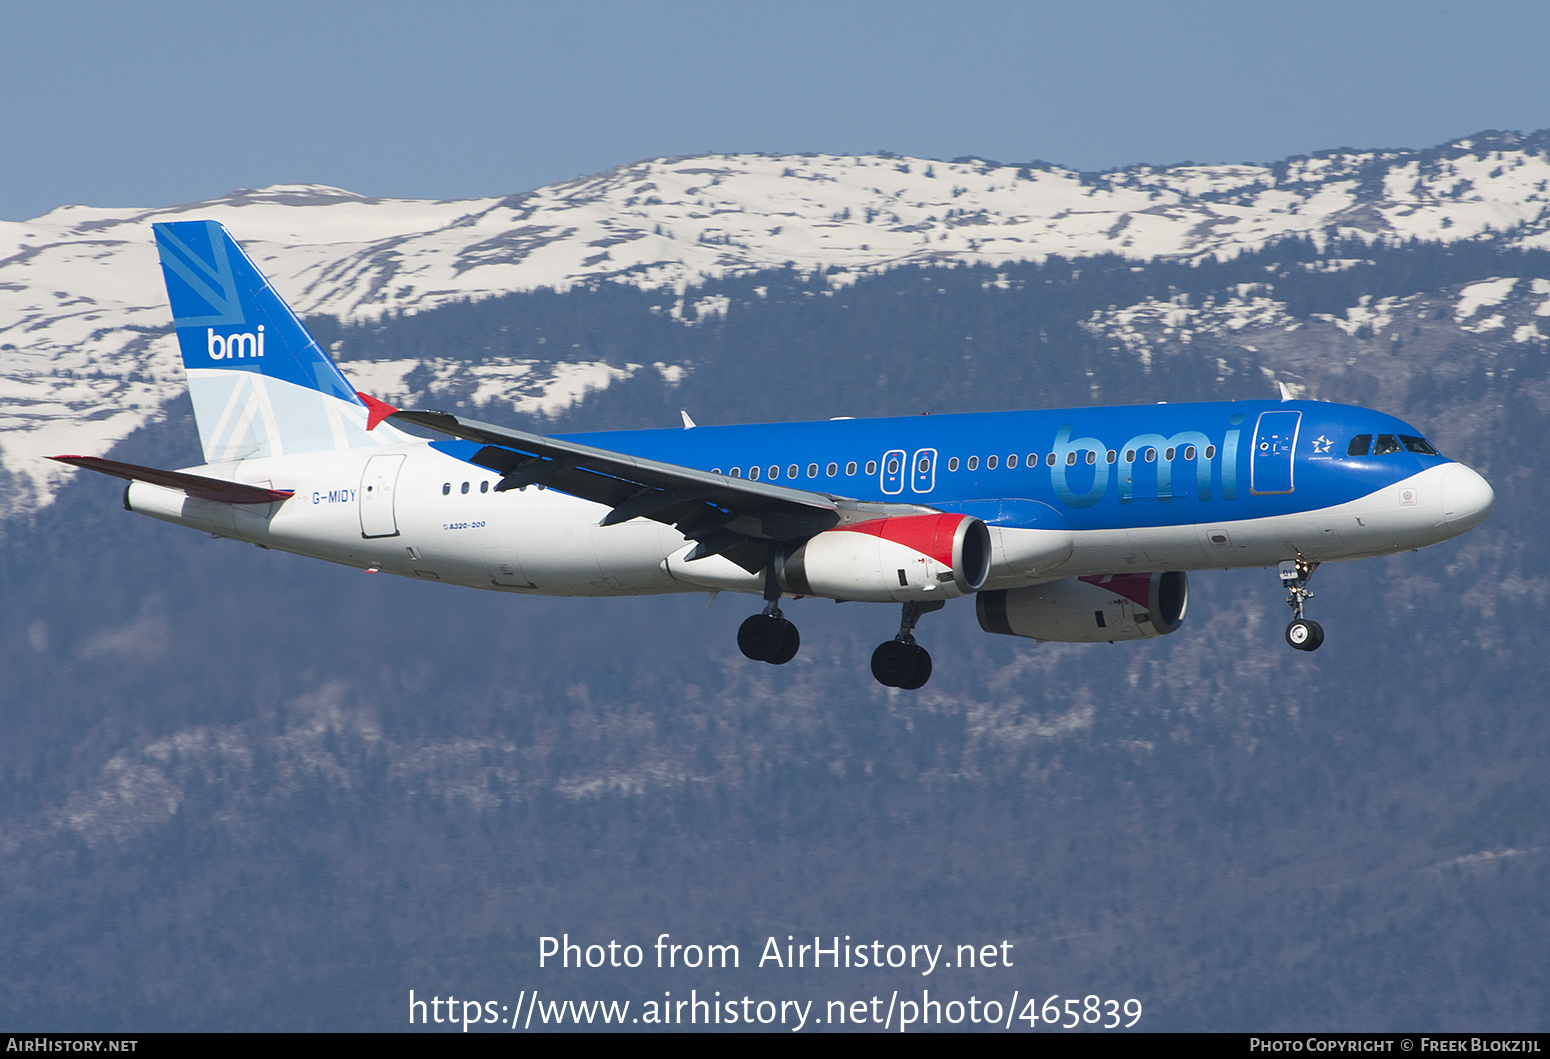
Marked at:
<point>193,484</point>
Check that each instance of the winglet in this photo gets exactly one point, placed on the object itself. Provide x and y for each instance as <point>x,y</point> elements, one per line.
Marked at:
<point>688,423</point>
<point>376,411</point>
<point>1286,395</point>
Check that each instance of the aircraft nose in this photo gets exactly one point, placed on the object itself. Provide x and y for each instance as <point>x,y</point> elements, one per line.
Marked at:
<point>1467,498</point>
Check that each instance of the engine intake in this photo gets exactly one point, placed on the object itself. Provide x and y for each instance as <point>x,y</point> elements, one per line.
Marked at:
<point>1096,609</point>
<point>912,557</point>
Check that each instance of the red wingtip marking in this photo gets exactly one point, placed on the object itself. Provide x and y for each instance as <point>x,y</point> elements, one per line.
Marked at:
<point>376,411</point>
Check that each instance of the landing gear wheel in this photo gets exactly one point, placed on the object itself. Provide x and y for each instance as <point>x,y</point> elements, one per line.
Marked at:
<point>790,640</point>
<point>897,664</point>
<point>922,670</point>
<point>1305,635</point>
<point>768,638</point>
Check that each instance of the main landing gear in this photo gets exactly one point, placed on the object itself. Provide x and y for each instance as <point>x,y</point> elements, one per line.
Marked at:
<point>901,662</point>
<point>769,637</point>
<point>1303,633</point>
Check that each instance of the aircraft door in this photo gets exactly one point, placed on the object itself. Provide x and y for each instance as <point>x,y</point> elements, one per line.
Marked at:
<point>923,471</point>
<point>893,471</point>
<point>378,485</point>
<point>1275,442</point>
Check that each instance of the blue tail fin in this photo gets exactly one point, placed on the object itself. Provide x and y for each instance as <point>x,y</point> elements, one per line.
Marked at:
<point>261,385</point>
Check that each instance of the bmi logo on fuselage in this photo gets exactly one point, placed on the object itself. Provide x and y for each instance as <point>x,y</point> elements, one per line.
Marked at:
<point>234,347</point>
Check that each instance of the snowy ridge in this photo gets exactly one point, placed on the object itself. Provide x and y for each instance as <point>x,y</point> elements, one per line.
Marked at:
<point>1517,309</point>
<point>86,354</point>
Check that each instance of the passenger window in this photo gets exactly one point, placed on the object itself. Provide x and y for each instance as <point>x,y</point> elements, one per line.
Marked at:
<point>871,467</point>
<point>990,463</point>
<point>1189,452</point>
<point>1417,445</point>
<point>1385,444</point>
<point>833,469</point>
<point>974,463</point>
<point>737,472</point>
<point>753,474</point>
<point>1151,455</point>
<point>791,472</point>
<point>1033,459</point>
<point>1210,452</point>
<point>1359,445</point>
<point>774,473</point>
<point>484,487</point>
<point>1050,459</point>
<point>923,466</point>
<point>1168,453</point>
<point>1130,455</point>
<point>1011,461</point>
<point>1071,458</point>
<point>1092,456</point>
<point>952,463</point>
<point>1110,456</point>
<point>465,488</point>
<point>446,488</point>
<point>850,468</point>
<point>812,470</point>
<point>893,466</point>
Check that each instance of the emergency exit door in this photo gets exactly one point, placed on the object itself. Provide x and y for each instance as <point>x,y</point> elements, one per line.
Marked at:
<point>1275,443</point>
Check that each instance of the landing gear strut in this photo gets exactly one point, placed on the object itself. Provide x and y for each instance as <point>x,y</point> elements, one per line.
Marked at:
<point>1303,633</point>
<point>769,637</point>
<point>901,662</point>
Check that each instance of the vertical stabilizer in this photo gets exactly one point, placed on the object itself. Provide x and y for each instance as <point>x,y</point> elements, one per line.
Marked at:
<point>261,385</point>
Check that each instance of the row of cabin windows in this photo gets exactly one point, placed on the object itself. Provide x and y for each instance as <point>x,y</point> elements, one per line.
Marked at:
<point>1148,455</point>
<point>794,471</point>
<point>1361,445</point>
<point>1365,445</point>
<point>972,463</point>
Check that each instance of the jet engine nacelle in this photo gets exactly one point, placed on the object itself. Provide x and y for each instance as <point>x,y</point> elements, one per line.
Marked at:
<point>911,557</point>
<point>1102,608</point>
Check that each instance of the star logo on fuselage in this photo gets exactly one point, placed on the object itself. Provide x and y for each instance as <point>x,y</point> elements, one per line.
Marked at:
<point>1321,445</point>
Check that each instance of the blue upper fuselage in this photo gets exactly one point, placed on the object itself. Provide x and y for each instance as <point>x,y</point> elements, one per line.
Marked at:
<point>1082,468</point>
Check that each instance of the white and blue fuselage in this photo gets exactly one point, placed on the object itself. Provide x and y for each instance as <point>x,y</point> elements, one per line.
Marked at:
<point>1248,484</point>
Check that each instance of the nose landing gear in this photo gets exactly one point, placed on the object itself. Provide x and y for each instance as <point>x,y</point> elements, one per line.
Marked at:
<point>1303,633</point>
<point>901,662</point>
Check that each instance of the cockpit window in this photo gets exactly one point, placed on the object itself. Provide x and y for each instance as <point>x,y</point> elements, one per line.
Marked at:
<point>1385,444</point>
<point>1417,445</point>
<point>1359,445</point>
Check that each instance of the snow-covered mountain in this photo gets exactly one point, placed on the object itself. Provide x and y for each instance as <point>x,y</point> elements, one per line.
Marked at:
<point>86,354</point>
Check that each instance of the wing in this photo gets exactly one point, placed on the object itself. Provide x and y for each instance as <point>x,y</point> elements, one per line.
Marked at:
<point>739,519</point>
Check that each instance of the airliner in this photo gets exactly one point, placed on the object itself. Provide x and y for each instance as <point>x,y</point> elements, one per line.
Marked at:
<point>1072,525</point>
